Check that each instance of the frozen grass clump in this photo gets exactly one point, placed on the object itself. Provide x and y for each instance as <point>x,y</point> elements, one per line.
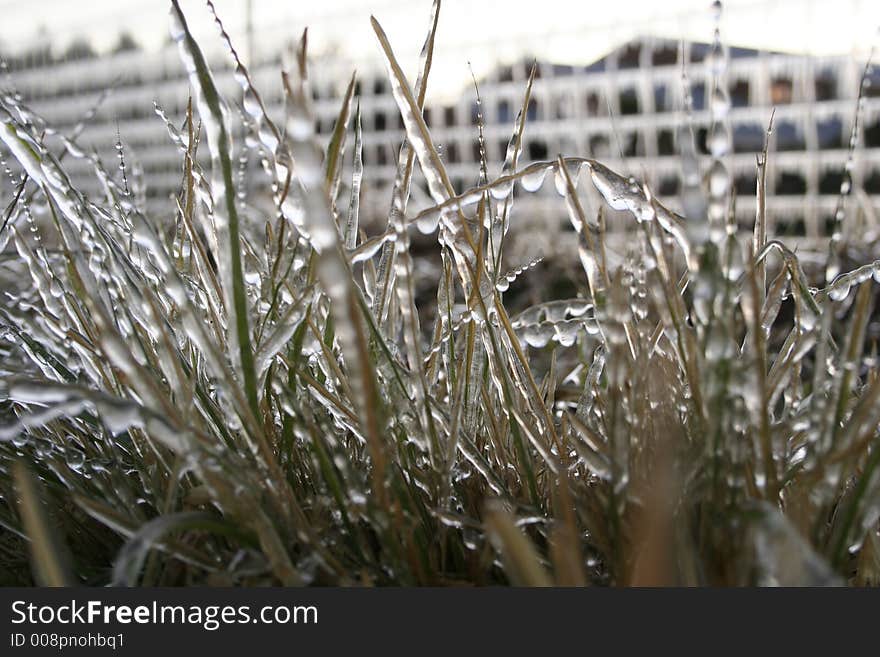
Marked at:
<point>260,402</point>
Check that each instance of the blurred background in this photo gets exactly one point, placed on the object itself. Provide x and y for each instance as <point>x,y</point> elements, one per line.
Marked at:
<point>480,32</point>
<point>615,81</point>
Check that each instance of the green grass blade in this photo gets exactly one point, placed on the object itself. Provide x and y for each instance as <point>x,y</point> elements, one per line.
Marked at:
<point>214,117</point>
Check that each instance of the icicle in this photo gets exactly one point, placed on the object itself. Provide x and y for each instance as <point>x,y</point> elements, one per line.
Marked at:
<point>719,137</point>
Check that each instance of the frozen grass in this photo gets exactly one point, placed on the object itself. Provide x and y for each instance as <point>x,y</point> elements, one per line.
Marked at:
<point>282,416</point>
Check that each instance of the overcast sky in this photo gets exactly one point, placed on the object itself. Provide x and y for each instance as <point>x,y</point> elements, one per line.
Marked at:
<point>575,31</point>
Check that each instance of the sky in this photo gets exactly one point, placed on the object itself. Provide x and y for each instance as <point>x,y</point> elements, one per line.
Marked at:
<point>476,32</point>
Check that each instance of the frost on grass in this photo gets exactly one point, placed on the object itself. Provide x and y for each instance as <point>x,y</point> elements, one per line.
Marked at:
<point>269,401</point>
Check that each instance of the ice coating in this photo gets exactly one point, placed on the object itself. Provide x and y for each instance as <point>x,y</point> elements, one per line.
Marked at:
<point>117,388</point>
<point>719,137</point>
<point>388,267</point>
<point>215,121</point>
<point>832,266</point>
<point>416,130</point>
<point>349,236</point>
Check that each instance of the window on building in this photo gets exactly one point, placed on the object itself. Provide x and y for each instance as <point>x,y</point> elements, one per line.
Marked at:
<point>629,102</point>
<point>745,185</point>
<point>791,183</point>
<point>830,181</point>
<point>593,104</point>
<point>781,91</point>
<point>699,51</point>
<point>664,55</point>
<point>599,146</point>
<point>739,93</point>
<point>701,138</point>
<point>669,186</point>
<point>562,70</point>
<point>597,66</point>
<point>379,121</point>
<point>830,133</point>
<point>742,53</point>
<point>872,134</point>
<point>748,138</point>
<point>532,111</point>
<point>872,182</point>
<point>379,86</point>
<point>633,145</point>
<point>452,152</point>
<point>661,98</point>
<point>504,113</point>
<point>789,227</point>
<point>826,85</point>
<point>789,137</point>
<point>698,96</point>
<point>537,149</point>
<point>665,142</point>
<point>873,81</point>
<point>630,55</point>
<point>449,117</point>
<point>505,74</point>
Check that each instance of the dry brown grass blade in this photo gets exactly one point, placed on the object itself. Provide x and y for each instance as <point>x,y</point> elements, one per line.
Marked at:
<point>49,558</point>
<point>517,551</point>
<point>565,545</point>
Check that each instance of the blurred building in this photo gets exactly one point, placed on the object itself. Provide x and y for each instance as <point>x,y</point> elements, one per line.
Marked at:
<point>623,109</point>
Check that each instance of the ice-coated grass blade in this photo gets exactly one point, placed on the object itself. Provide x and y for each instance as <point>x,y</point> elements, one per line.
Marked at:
<point>416,130</point>
<point>336,145</point>
<point>214,117</point>
<point>349,236</point>
<point>131,557</point>
<point>386,272</point>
